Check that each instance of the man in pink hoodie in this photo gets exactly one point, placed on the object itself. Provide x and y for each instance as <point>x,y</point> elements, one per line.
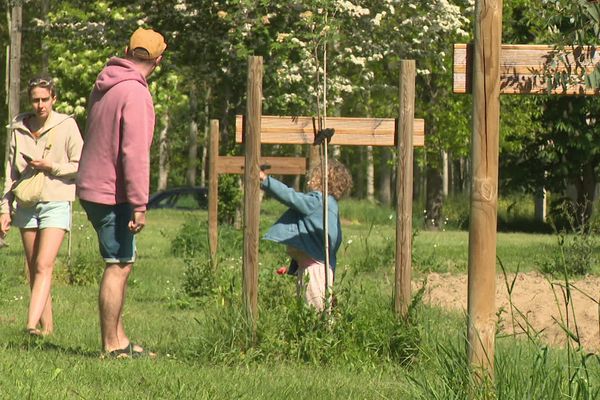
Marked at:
<point>114,173</point>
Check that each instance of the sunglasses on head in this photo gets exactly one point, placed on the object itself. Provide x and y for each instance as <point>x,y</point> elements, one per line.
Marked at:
<point>40,82</point>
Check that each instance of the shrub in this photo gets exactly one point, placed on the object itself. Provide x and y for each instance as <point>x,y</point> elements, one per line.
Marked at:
<point>230,196</point>
<point>191,240</point>
<point>198,278</point>
<point>359,331</point>
<point>85,266</point>
<point>577,243</point>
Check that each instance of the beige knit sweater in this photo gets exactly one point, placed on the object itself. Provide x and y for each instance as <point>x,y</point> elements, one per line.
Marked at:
<point>63,151</point>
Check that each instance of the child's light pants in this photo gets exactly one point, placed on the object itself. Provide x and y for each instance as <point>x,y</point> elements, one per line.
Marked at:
<point>311,279</point>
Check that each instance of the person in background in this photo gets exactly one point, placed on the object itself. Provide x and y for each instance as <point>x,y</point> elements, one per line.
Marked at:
<point>114,175</point>
<point>48,142</point>
<point>301,229</point>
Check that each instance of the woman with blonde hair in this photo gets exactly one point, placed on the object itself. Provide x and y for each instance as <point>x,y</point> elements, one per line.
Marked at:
<point>49,143</point>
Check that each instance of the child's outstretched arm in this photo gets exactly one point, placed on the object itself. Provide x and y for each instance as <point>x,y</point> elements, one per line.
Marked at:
<point>305,203</point>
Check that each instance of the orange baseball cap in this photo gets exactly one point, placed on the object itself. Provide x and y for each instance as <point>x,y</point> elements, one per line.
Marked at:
<point>149,40</point>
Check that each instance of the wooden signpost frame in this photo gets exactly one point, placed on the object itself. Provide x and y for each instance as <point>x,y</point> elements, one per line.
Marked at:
<point>486,68</point>
<point>218,165</point>
<point>403,133</point>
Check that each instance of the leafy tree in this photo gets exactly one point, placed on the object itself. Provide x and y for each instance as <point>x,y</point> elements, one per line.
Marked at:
<point>560,148</point>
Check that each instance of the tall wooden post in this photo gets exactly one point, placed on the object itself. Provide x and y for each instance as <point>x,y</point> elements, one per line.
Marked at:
<point>404,188</point>
<point>484,187</point>
<point>213,190</point>
<point>252,188</point>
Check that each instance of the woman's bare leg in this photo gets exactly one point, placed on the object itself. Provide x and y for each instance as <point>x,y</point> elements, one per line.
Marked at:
<point>41,248</point>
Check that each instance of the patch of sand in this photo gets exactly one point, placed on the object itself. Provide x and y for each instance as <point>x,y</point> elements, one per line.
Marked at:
<point>539,301</point>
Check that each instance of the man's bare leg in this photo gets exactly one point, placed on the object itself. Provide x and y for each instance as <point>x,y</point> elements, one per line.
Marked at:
<point>110,301</point>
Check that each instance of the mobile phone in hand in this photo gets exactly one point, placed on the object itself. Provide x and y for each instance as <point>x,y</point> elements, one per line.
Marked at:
<point>26,157</point>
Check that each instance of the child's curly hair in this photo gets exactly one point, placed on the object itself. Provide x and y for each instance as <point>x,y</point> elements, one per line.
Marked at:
<point>339,179</point>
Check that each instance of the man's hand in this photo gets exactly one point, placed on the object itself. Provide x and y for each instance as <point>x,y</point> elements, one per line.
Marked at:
<point>138,221</point>
<point>5,221</point>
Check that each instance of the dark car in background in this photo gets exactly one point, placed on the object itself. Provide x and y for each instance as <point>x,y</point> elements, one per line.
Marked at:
<point>180,198</point>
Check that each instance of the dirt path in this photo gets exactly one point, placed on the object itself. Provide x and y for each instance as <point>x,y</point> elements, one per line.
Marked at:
<point>535,298</point>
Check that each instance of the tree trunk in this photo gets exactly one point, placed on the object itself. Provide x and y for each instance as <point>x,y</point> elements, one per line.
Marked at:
<point>14,74</point>
<point>207,93</point>
<point>385,182</point>
<point>445,174</point>
<point>190,175</point>
<point>163,154</point>
<point>586,187</point>
<point>14,70</point>
<point>435,198</point>
<point>540,205</point>
<point>370,175</point>
<point>44,57</point>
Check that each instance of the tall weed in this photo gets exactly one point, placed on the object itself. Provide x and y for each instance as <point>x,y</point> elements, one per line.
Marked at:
<point>577,243</point>
<point>85,266</point>
<point>359,332</point>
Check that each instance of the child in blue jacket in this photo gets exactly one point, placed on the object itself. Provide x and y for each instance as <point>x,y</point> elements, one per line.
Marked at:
<point>300,228</point>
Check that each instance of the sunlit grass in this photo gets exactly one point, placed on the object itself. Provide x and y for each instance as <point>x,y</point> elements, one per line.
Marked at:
<point>194,364</point>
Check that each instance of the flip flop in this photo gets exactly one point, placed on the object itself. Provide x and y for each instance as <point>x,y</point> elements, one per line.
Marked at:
<point>129,352</point>
<point>34,332</point>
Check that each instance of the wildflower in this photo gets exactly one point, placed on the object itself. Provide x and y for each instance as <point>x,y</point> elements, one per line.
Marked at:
<point>306,15</point>
<point>281,37</point>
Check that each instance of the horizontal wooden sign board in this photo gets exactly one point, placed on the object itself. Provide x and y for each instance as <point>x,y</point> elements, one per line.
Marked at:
<point>535,69</point>
<point>348,131</point>
<point>279,165</point>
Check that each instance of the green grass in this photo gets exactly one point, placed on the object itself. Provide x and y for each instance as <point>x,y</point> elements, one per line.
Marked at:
<point>204,352</point>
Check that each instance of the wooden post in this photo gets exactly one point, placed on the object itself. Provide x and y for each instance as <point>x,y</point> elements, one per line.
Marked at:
<point>213,190</point>
<point>252,188</point>
<point>484,187</point>
<point>404,188</point>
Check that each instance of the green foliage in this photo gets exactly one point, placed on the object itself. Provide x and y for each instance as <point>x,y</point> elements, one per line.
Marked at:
<point>230,197</point>
<point>191,240</point>
<point>362,212</point>
<point>205,349</point>
<point>379,252</point>
<point>198,278</point>
<point>577,243</point>
<point>85,267</point>
<point>290,331</point>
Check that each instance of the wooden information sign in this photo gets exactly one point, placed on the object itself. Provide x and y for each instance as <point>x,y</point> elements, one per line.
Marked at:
<point>535,69</point>
<point>348,131</point>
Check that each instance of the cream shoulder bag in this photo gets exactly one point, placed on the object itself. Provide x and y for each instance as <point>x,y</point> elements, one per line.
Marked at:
<point>28,189</point>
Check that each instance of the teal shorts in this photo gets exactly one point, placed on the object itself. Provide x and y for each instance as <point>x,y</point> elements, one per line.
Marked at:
<point>111,223</point>
<point>46,214</point>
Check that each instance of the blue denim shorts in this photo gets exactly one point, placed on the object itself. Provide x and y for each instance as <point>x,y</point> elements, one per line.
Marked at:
<point>111,222</point>
<point>46,214</point>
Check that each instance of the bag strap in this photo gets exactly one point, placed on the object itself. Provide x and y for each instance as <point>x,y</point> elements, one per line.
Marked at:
<point>48,145</point>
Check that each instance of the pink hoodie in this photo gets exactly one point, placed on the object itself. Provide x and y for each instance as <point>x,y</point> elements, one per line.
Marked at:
<point>115,161</point>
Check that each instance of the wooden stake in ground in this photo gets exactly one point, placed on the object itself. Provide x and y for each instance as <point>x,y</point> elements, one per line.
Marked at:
<point>404,188</point>
<point>484,187</point>
<point>213,184</point>
<point>252,189</point>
